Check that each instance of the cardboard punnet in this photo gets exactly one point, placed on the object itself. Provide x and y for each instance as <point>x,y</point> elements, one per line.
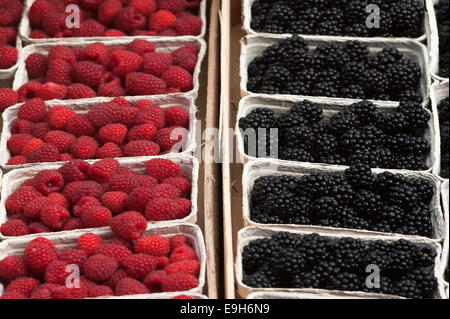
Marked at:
<point>438,92</point>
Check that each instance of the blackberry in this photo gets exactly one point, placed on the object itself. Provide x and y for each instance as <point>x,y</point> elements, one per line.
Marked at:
<point>345,281</point>
<point>407,288</point>
<point>359,176</point>
<point>314,248</point>
<point>424,189</point>
<point>325,144</point>
<point>325,89</point>
<point>374,82</point>
<point>288,262</point>
<point>277,74</point>
<point>287,240</point>
<point>426,282</point>
<point>307,279</point>
<point>364,111</point>
<point>306,77</point>
<point>353,91</point>
<point>410,162</point>
<point>407,17</point>
<point>357,51</point>
<point>354,70</point>
<point>355,12</point>
<point>325,208</point>
<point>404,75</point>
<point>405,197</point>
<point>329,27</point>
<point>352,140</point>
<point>295,154</point>
<point>387,58</point>
<point>334,159</point>
<point>313,185</point>
<point>367,204</point>
<point>426,257</point>
<point>393,215</point>
<point>347,253</point>
<point>330,55</point>
<point>342,122</point>
<point>367,156</point>
<point>278,18</point>
<point>257,253</point>
<point>409,96</point>
<point>386,286</point>
<point>374,135</point>
<point>357,30</point>
<point>343,193</point>
<point>416,116</point>
<point>378,254</point>
<point>404,144</point>
<point>298,136</point>
<point>420,219</point>
<point>392,122</point>
<point>300,27</point>
<point>309,113</point>
<point>384,181</point>
<point>288,120</point>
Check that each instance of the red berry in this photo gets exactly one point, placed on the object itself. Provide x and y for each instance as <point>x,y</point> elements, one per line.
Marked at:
<point>178,241</point>
<point>62,140</point>
<point>100,290</point>
<point>51,91</point>
<point>17,160</point>
<point>79,125</point>
<point>79,91</point>
<point>54,216</point>
<point>129,225</point>
<point>59,71</point>
<point>164,191</point>
<point>31,146</point>
<point>109,150</point>
<point>73,257</point>
<point>89,28</point>
<point>140,46</point>
<point>36,64</point>
<point>160,20</point>
<point>137,83</point>
<point>108,11</point>
<point>45,153</point>
<point>161,209</point>
<point>176,77</point>
<point>48,181</point>
<point>103,170</point>
<point>89,242</point>
<point>124,62</point>
<point>191,267</point>
<point>129,286</point>
<point>161,168</point>
<point>182,253</point>
<point>179,282</point>
<point>58,116</point>
<point>123,183</point>
<point>153,281</point>
<point>13,267</point>
<point>23,286</point>
<point>157,246</point>
<point>88,73</point>
<point>75,170</point>
<point>105,113</point>
<point>151,114</point>
<point>129,20</point>
<point>56,272</point>
<point>87,188</point>
<point>28,90</point>
<point>96,216</point>
<point>14,227</point>
<point>33,110</point>
<point>114,201</point>
<point>17,200</point>
<point>38,255</point>
<point>84,147</point>
<point>96,52</point>
<point>138,265</point>
<point>171,138</point>
<point>117,252</point>
<point>139,198</point>
<point>62,52</point>
<point>114,133</point>
<point>99,267</point>
<point>8,56</point>
<point>188,25</point>
<point>141,148</point>
<point>156,63</point>
<point>8,97</point>
<point>181,183</point>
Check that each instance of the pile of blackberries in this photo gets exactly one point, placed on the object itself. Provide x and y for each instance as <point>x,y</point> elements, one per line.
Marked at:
<point>389,203</point>
<point>334,70</point>
<point>359,134</point>
<point>444,126</point>
<point>397,18</point>
<point>289,261</point>
<point>442,21</point>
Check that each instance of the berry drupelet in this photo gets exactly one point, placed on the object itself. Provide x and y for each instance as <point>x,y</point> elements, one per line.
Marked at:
<point>288,260</point>
<point>387,203</point>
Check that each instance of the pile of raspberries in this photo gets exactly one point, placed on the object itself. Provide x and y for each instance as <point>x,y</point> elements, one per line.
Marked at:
<point>108,130</point>
<point>96,70</point>
<point>390,203</point>
<point>10,15</point>
<point>359,134</point>
<point>345,70</point>
<point>118,267</point>
<point>116,18</point>
<point>79,195</point>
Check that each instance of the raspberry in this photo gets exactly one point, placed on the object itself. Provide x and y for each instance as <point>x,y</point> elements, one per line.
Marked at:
<point>8,97</point>
<point>161,209</point>
<point>108,11</point>
<point>13,267</point>
<point>96,216</point>
<point>110,90</point>
<point>89,242</point>
<point>54,216</point>
<point>184,207</point>
<point>23,286</point>
<point>176,77</point>
<point>37,11</point>
<point>129,225</point>
<point>62,140</point>
<point>40,129</point>
<point>124,62</point>
<point>100,290</point>
<point>22,126</point>
<point>33,110</point>
<point>182,253</point>
<point>116,277</point>
<point>8,56</point>
<point>151,115</point>
<point>88,73</point>
<point>137,83</point>
<point>91,4</point>
<point>38,34</point>
<point>31,146</point>
<point>17,160</point>
<point>140,46</point>
<point>72,224</point>
<point>157,246</point>
<point>84,147</point>
<point>105,113</point>
<point>59,71</point>
<point>12,295</point>
<point>181,183</point>
<point>115,201</point>
<point>191,267</point>
<point>192,4</point>
<point>56,272</point>
<point>169,138</point>
<point>58,199</point>
<point>142,132</point>
<point>137,266</point>
<point>96,52</point>
<point>28,90</point>
<point>123,183</point>
<point>17,142</point>
<point>156,63</point>
<point>38,255</point>
<point>87,188</point>
<point>53,23</point>
<point>178,241</point>
<point>160,20</point>
<point>51,91</point>
<point>174,6</point>
<point>117,252</point>
<point>69,188</point>
<point>89,28</point>
<point>79,125</point>
<point>189,25</point>
<point>161,168</point>
<point>186,60</point>
<point>73,257</point>
<point>128,115</point>
<point>38,228</point>
<point>178,282</point>
<point>64,157</point>
<point>141,148</point>
<point>102,171</point>
<point>99,267</point>
<point>62,52</point>
<point>121,242</point>
<point>14,227</point>
<point>164,191</point>
<point>138,199</point>
<point>36,64</point>
<point>129,20</point>
<point>48,181</point>
<point>75,170</point>
<point>129,286</point>
<point>79,91</point>
<point>176,116</point>
<point>153,281</point>
<point>84,204</point>
<point>58,116</point>
<point>17,200</point>
<point>45,153</point>
<point>114,133</point>
<point>109,150</point>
